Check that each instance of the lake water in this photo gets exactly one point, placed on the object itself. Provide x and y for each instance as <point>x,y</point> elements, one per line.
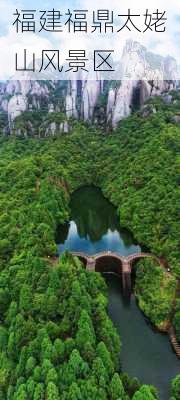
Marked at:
<point>94,226</point>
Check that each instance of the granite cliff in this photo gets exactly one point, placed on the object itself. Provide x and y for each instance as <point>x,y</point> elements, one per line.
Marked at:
<point>101,102</point>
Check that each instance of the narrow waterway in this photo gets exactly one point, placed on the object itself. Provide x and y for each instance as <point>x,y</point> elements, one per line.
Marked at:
<point>94,227</point>
<point>145,353</point>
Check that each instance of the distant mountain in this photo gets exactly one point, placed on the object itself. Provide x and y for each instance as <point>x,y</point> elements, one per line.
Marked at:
<point>102,102</point>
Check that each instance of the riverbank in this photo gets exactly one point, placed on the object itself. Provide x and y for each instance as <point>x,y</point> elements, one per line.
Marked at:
<point>166,328</point>
<point>174,342</point>
<point>146,353</point>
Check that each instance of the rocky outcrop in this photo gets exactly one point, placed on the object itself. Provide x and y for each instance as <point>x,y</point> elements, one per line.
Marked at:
<point>16,105</point>
<point>53,129</point>
<point>90,100</point>
<point>175,119</point>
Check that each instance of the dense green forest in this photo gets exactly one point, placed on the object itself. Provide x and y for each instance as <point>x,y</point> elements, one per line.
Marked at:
<point>156,291</point>
<point>56,339</point>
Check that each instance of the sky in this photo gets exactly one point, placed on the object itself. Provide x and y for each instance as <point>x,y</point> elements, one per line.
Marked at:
<point>167,43</point>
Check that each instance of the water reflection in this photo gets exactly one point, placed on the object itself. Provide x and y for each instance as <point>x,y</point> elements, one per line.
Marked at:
<point>94,226</point>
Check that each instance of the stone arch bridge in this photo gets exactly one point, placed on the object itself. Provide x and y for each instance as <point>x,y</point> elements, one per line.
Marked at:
<point>108,261</point>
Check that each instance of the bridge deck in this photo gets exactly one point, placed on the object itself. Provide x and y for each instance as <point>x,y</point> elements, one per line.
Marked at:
<point>122,258</point>
<point>126,261</point>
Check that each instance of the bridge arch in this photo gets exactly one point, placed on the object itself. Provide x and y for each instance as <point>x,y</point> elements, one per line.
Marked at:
<point>114,263</point>
<point>137,256</point>
<point>109,263</point>
<point>83,260</point>
<point>82,257</point>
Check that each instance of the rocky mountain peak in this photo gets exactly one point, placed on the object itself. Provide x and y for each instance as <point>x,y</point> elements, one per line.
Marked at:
<point>89,100</point>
